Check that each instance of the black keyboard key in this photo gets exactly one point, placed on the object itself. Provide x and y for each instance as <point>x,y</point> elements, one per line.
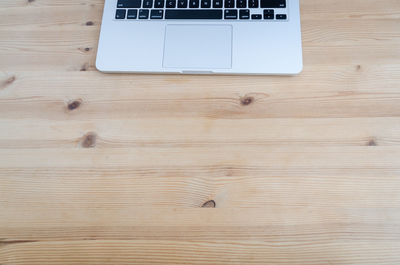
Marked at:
<point>193,14</point>
<point>158,3</point>
<point>193,3</point>
<point>171,4</point>
<point>143,14</point>
<point>281,16</point>
<point>121,13</point>
<point>129,3</point>
<point>241,3</point>
<point>231,14</point>
<point>229,3</point>
<point>132,14</point>
<point>182,3</point>
<point>253,3</point>
<point>244,14</point>
<point>205,3</point>
<point>273,3</point>
<point>156,14</point>
<point>217,3</point>
<point>268,14</point>
<point>147,3</point>
<point>256,16</point>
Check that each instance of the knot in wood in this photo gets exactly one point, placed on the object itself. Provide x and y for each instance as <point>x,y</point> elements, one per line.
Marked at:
<point>245,101</point>
<point>209,204</point>
<point>74,104</point>
<point>89,140</point>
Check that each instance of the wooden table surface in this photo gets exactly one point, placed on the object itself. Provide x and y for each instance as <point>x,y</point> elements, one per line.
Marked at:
<point>156,169</point>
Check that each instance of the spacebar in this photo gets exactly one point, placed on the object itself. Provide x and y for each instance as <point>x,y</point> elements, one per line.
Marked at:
<point>193,14</point>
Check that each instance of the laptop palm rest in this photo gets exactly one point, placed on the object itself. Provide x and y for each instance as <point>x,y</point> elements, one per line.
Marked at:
<point>198,46</point>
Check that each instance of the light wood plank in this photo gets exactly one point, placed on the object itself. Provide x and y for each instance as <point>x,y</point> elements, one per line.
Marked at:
<point>172,252</point>
<point>192,132</point>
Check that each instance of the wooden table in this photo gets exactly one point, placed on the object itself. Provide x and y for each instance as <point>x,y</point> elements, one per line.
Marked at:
<point>156,169</point>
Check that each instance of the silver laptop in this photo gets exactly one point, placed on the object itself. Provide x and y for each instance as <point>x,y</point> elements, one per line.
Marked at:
<point>201,37</point>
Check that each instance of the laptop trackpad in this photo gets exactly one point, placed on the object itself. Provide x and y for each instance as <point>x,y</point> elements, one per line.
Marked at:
<point>198,46</point>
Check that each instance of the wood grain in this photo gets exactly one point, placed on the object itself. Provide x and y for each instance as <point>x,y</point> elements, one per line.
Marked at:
<point>153,169</point>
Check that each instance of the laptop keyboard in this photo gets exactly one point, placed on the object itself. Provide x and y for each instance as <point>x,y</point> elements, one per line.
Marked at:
<point>268,10</point>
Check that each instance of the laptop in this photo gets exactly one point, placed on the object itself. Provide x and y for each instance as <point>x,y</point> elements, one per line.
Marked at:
<point>260,37</point>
